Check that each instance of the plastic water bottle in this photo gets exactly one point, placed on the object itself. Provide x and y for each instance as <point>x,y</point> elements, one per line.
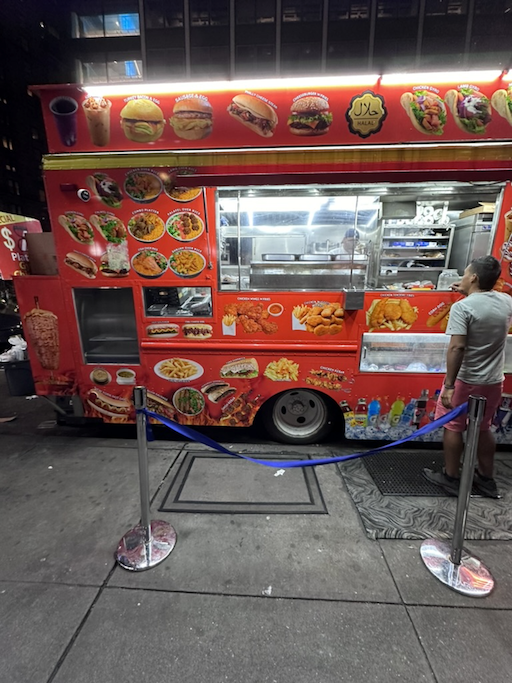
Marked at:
<point>396,411</point>
<point>408,413</point>
<point>361,413</point>
<point>373,412</point>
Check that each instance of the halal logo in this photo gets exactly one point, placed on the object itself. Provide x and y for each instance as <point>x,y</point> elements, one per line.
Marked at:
<point>366,114</point>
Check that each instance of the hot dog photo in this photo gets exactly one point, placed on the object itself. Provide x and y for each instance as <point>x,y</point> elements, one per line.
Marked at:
<point>110,408</point>
<point>82,264</point>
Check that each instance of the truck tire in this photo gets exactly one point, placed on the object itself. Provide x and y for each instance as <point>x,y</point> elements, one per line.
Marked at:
<point>298,416</point>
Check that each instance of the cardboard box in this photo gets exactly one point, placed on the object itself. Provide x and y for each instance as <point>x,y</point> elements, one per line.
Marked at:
<point>485,207</point>
<point>42,258</point>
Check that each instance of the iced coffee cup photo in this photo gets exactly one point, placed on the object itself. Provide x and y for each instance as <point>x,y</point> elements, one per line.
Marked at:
<point>97,115</point>
<point>64,111</point>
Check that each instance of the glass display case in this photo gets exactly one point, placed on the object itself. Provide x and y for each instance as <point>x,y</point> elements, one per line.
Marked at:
<point>177,301</point>
<point>412,353</point>
<point>107,326</point>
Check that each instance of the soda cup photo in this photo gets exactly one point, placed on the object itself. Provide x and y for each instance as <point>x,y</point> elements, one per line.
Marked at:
<point>64,111</point>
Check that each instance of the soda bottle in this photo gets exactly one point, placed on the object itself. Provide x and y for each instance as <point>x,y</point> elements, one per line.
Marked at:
<point>396,411</point>
<point>420,409</point>
<point>408,414</point>
<point>373,412</point>
<point>361,413</point>
<point>348,413</point>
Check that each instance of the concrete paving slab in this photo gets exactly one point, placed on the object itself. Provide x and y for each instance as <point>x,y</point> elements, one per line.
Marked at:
<point>36,624</point>
<point>314,556</point>
<point>159,637</point>
<point>64,509</point>
<point>418,587</point>
<point>14,444</point>
<point>466,644</point>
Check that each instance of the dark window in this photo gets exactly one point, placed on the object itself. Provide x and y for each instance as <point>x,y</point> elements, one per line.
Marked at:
<point>493,7</point>
<point>256,12</point>
<point>349,9</point>
<point>166,63</point>
<point>212,62</point>
<point>163,14</point>
<point>209,12</point>
<point>303,10</point>
<point>397,8</point>
<point>255,60</point>
<point>300,58</point>
<point>436,7</point>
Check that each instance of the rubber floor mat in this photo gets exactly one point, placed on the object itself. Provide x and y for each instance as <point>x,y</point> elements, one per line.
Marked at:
<point>399,473</point>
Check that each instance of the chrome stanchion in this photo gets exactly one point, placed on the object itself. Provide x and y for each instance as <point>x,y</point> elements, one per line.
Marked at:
<point>151,541</point>
<point>452,564</point>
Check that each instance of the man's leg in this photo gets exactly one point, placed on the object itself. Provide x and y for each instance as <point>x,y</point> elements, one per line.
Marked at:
<point>453,445</point>
<point>485,453</point>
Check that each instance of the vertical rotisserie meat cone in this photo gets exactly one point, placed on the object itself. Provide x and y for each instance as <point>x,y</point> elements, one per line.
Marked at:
<point>43,331</point>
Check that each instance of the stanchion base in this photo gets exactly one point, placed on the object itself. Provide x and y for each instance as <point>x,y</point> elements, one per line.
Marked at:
<point>470,577</point>
<point>136,554</point>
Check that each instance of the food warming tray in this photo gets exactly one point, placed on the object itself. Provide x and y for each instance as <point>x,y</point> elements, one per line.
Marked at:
<point>278,257</point>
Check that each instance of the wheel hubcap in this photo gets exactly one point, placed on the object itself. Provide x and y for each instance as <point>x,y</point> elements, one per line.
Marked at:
<point>300,413</point>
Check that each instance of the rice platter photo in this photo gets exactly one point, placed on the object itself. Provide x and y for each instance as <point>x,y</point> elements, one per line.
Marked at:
<point>149,263</point>
<point>185,226</point>
<point>186,262</point>
<point>142,187</point>
<point>181,194</point>
<point>146,227</point>
<point>188,401</point>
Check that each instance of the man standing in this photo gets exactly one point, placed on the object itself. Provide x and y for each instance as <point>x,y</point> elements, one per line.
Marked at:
<point>478,326</point>
<point>349,245</point>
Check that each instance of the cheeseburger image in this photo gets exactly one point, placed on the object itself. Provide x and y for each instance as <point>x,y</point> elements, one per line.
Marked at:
<point>142,121</point>
<point>310,116</point>
<point>254,113</point>
<point>192,118</point>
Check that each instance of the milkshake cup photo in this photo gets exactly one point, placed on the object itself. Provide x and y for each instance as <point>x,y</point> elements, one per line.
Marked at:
<point>97,115</point>
<point>64,111</point>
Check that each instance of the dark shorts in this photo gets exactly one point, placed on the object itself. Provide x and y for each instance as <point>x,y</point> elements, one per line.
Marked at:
<point>463,391</point>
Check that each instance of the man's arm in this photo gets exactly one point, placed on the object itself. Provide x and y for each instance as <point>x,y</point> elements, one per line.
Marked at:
<point>454,358</point>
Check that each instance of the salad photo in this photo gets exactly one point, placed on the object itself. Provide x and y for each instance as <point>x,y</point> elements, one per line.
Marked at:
<point>426,111</point>
<point>185,227</point>
<point>471,110</point>
<point>149,263</point>
<point>142,187</point>
<point>109,226</point>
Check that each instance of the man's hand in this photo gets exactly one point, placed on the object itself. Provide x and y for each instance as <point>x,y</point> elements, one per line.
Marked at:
<point>455,287</point>
<point>446,397</point>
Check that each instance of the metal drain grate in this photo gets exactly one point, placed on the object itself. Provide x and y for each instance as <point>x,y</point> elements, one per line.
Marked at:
<point>399,473</point>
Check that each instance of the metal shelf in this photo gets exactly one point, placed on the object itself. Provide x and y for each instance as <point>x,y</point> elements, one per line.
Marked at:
<point>413,249</point>
<point>416,237</point>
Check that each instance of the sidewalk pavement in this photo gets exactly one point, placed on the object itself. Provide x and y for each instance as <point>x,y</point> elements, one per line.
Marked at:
<point>242,598</point>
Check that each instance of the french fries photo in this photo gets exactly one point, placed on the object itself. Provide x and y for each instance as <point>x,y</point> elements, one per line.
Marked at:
<point>282,370</point>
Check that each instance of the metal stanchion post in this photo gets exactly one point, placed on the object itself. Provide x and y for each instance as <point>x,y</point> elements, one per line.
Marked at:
<point>151,541</point>
<point>452,564</point>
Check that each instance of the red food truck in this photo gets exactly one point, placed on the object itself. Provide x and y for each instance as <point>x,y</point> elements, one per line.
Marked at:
<point>275,250</point>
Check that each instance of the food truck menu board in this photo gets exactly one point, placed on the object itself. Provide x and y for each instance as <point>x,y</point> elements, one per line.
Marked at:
<point>129,224</point>
<point>277,115</point>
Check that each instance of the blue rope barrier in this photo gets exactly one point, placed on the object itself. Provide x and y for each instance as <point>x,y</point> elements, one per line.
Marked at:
<point>192,435</point>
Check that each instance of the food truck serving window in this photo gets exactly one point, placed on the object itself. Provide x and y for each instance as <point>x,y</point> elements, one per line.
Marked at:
<point>286,238</point>
<point>344,236</point>
<point>178,301</point>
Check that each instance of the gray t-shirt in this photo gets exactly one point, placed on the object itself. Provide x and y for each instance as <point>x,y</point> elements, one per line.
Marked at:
<point>484,318</point>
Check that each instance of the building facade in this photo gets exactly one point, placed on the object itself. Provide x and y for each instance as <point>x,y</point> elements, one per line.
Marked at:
<point>158,40</point>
